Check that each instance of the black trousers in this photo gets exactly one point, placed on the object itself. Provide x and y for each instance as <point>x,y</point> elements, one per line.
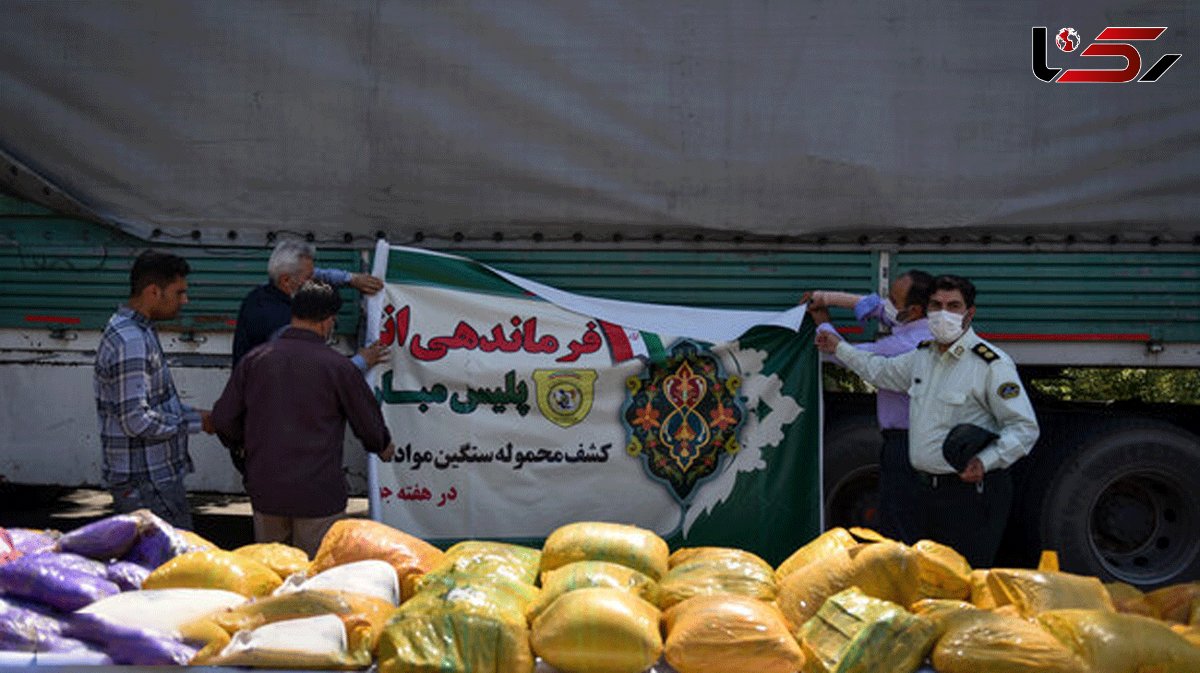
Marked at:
<point>964,516</point>
<point>899,507</point>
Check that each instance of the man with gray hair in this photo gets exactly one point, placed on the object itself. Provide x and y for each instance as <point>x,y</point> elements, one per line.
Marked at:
<point>267,310</point>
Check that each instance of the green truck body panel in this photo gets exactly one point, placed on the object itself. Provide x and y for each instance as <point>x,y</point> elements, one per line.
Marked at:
<point>59,271</point>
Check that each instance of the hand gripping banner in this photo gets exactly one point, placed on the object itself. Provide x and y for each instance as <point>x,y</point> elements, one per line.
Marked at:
<point>517,407</point>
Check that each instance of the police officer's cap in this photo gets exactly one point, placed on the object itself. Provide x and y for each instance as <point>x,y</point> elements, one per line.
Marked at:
<point>963,442</point>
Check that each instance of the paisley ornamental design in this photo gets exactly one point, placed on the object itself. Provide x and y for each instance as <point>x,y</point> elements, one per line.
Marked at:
<point>683,417</point>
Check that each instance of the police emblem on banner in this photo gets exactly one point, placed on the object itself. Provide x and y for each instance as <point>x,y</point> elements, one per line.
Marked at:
<point>683,417</point>
<point>565,395</point>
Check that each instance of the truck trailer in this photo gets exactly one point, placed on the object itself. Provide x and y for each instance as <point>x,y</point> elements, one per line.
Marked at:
<point>720,154</point>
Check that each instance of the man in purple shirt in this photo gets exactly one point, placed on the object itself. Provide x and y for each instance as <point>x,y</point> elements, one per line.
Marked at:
<point>288,402</point>
<point>904,312</point>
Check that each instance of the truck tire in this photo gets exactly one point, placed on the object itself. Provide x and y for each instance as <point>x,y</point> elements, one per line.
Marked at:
<point>1126,506</point>
<point>851,473</point>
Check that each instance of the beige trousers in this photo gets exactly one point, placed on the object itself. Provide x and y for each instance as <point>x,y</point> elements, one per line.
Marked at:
<point>295,531</point>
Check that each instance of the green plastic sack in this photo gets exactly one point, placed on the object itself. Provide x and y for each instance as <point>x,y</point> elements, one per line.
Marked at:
<point>474,558</point>
<point>586,574</point>
<point>477,626</point>
<point>637,548</point>
<point>854,633</point>
<point>598,630</point>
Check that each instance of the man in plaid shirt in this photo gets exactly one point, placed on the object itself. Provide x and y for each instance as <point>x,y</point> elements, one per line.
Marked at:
<point>144,426</point>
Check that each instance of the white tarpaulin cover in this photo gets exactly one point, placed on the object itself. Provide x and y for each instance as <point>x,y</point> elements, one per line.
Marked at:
<point>636,117</point>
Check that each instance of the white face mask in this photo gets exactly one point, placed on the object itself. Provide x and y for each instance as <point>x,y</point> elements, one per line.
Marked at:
<point>945,326</point>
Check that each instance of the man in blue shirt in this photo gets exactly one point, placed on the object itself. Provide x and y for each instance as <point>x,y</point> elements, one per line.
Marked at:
<point>903,311</point>
<point>144,426</point>
<point>267,310</point>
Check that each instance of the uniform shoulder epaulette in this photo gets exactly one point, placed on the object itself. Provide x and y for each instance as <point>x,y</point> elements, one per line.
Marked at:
<point>989,356</point>
<point>925,344</point>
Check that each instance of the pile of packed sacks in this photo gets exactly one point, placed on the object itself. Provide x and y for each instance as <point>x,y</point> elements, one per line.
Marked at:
<point>597,598</point>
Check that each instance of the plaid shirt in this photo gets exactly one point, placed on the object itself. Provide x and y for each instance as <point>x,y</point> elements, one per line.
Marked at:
<point>143,425</point>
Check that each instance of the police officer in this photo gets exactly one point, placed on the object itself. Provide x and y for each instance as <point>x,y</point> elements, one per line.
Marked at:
<point>955,379</point>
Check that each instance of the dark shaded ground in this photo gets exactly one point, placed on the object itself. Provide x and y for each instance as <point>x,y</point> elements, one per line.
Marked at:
<point>223,519</point>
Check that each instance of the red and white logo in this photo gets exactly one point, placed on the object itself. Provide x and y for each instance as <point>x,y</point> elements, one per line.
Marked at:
<point>1112,42</point>
<point>1067,40</point>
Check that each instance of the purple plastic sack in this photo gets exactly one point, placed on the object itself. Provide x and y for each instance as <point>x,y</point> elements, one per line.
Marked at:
<point>40,617</point>
<point>156,544</point>
<point>129,645</point>
<point>58,586</point>
<point>103,540</point>
<point>128,576</point>
<point>28,541</point>
<point>74,562</point>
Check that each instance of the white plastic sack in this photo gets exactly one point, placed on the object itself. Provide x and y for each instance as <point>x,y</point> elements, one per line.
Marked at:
<point>317,636</point>
<point>372,577</point>
<point>162,610</point>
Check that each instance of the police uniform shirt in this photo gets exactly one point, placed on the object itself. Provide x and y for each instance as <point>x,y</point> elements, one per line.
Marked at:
<point>972,382</point>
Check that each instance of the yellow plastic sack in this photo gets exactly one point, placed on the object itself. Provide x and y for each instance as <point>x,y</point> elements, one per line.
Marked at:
<point>887,570</point>
<point>214,570</point>
<point>854,633</point>
<point>941,572</point>
<point>474,558</point>
<point>1129,599</point>
<point>982,641</point>
<point>942,611</point>
<point>363,616</point>
<point>825,544</point>
<point>598,630</point>
<point>1034,591</point>
<point>981,595</point>
<point>1190,633</point>
<point>323,642</point>
<point>1194,618</point>
<point>475,627</point>
<point>637,548</point>
<point>1174,603</point>
<point>691,554</point>
<point>727,633</point>
<point>585,574</point>
<point>281,558</point>
<point>1111,642</point>
<point>718,571</point>
<point>352,540</point>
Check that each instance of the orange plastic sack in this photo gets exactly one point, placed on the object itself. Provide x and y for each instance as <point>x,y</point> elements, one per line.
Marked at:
<point>715,570</point>
<point>1111,642</point>
<point>637,548</point>
<point>726,633</point>
<point>1034,591</point>
<point>281,558</point>
<point>1174,603</point>
<point>215,570</point>
<point>351,540</point>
